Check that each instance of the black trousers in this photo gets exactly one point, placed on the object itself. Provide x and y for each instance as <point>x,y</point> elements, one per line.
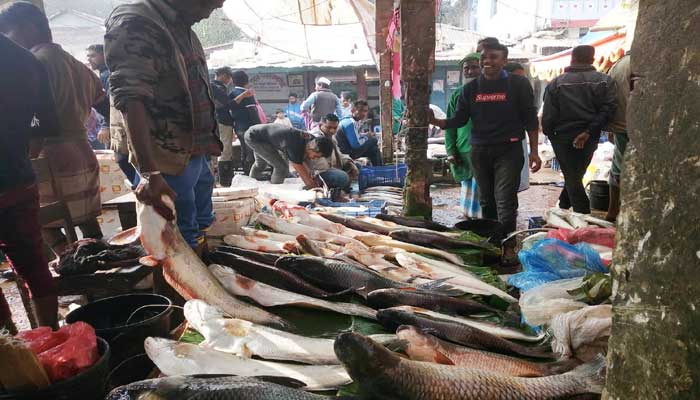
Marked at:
<point>574,163</point>
<point>497,173</point>
<point>369,149</point>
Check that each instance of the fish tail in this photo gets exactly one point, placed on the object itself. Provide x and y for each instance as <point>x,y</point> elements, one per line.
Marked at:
<point>591,375</point>
<point>560,367</point>
<point>439,286</point>
<point>537,352</point>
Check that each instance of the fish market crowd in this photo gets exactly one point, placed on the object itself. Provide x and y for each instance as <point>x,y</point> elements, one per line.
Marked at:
<point>297,277</point>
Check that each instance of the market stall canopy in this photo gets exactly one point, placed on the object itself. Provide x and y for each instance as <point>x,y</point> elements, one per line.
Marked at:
<point>319,32</point>
<point>612,36</point>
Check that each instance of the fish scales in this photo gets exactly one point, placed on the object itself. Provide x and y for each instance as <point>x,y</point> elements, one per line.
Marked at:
<point>385,298</point>
<point>387,376</point>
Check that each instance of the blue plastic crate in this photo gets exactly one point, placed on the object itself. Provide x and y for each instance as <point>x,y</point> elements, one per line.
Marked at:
<point>388,175</point>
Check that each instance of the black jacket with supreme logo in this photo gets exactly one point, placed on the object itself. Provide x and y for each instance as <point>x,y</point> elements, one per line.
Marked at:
<point>581,99</point>
<point>501,110</point>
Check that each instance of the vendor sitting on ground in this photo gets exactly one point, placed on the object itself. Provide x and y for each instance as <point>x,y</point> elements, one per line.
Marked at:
<point>353,141</point>
<point>338,169</point>
<point>277,145</point>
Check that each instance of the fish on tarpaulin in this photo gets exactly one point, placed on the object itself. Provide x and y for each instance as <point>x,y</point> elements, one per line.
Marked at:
<point>382,374</point>
<point>183,269</point>
<point>215,387</point>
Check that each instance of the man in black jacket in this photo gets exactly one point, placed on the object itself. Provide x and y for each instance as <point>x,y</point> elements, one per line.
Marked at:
<point>220,89</point>
<point>501,107</point>
<point>577,105</point>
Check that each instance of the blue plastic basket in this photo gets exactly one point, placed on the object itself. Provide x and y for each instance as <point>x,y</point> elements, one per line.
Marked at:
<point>374,207</point>
<point>388,175</point>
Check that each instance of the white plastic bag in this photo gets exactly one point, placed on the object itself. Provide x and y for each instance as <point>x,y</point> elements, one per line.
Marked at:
<point>582,333</point>
<point>543,302</point>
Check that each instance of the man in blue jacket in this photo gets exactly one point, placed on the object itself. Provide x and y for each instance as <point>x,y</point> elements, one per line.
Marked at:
<point>501,107</point>
<point>353,141</point>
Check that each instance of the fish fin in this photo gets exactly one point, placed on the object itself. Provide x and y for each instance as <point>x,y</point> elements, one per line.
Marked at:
<point>440,358</point>
<point>397,345</point>
<point>282,380</point>
<point>439,286</point>
<point>591,374</point>
<point>338,294</point>
<point>559,367</point>
<point>149,261</point>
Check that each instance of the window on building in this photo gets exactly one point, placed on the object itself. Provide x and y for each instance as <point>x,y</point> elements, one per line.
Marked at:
<point>494,7</point>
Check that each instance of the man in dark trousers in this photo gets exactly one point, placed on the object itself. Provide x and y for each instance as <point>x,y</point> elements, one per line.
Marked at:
<point>220,89</point>
<point>577,105</point>
<point>353,141</point>
<point>501,107</point>
<point>245,114</point>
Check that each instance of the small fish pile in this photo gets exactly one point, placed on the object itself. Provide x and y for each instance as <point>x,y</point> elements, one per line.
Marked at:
<point>392,195</point>
<point>445,328</point>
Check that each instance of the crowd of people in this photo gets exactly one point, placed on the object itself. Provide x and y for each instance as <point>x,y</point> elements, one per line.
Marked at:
<point>150,99</point>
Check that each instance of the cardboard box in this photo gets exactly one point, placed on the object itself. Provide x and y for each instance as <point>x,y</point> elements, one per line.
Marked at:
<point>112,179</point>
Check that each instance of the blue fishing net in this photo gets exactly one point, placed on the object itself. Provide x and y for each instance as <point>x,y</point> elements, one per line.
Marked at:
<point>551,260</point>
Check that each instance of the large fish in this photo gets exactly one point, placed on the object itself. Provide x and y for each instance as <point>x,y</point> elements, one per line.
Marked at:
<point>186,272</point>
<point>214,387</point>
<point>378,240</point>
<point>392,318</point>
<point>257,243</point>
<point>294,229</point>
<point>437,269</point>
<point>414,222</point>
<point>437,240</point>
<point>267,274</point>
<point>356,224</point>
<point>382,374</point>
<point>270,296</point>
<point>246,339</point>
<point>177,358</point>
<point>386,298</point>
<point>421,346</point>
<point>304,217</point>
<point>337,275</point>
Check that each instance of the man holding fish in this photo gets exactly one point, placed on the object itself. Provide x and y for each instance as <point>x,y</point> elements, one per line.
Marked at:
<point>164,110</point>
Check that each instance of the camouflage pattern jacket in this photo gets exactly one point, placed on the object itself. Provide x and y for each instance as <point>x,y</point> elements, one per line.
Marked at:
<point>146,64</point>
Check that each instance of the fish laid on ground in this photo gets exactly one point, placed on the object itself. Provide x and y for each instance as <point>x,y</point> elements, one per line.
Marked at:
<point>274,236</point>
<point>392,318</point>
<point>356,224</point>
<point>436,269</point>
<point>318,248</point>
<point>332,274</point>
<point>377,240</point>
<point>365,257</point>
<point>304,217</point>
<point>214,387</point>
<point>186,272</point>
<point>246,339</point>
<point>259,244</point>
<point>293,228</point>
<point>437,240</point>
<point>382,374</point>
<point>258,256</point>
<point>270,296</point>
<point>267,274</point>
<point>390,189</point>
<point>393,226</point>
<point>421,346</point>
<point>500,331</point>
<point>177,358</point>
<point>386,298</point>
<point>414,222</point>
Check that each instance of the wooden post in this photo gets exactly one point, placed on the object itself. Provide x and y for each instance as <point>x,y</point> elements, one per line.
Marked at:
<point>417,63</point>
<point>654,350</point>
<point>361,84</point>
<point>384,11</point>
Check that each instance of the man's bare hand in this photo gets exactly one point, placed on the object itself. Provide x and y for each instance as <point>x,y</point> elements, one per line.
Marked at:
<point>581,139</point>
<point>535,162</point>
<point>151,192</point>
<point>103,136</point>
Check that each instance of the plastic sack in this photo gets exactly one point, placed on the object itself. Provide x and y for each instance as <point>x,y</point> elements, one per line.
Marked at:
<point>540,304</point>
<point>41,339</point>
<point>73,356</point>
<point>582,333</point>
<point>551,260</point>
<point>600,236</point>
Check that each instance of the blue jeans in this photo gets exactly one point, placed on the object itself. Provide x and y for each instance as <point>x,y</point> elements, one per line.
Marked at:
<point>336,178</point>
<point>127,169</point>
<point>193,203</point>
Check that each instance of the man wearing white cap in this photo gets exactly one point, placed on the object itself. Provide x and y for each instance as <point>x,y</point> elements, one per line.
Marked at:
<point>322,102</point>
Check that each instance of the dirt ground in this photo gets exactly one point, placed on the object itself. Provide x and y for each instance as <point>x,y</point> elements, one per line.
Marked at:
<point>541,195</point>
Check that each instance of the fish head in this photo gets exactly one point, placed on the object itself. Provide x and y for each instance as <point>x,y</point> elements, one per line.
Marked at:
<point>422,346</point>
<point>296,264</point>
<point>198,313</point>
<point>362,357</point>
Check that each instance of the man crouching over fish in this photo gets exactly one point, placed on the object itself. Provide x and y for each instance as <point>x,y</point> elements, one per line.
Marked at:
<point>385,375</point>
